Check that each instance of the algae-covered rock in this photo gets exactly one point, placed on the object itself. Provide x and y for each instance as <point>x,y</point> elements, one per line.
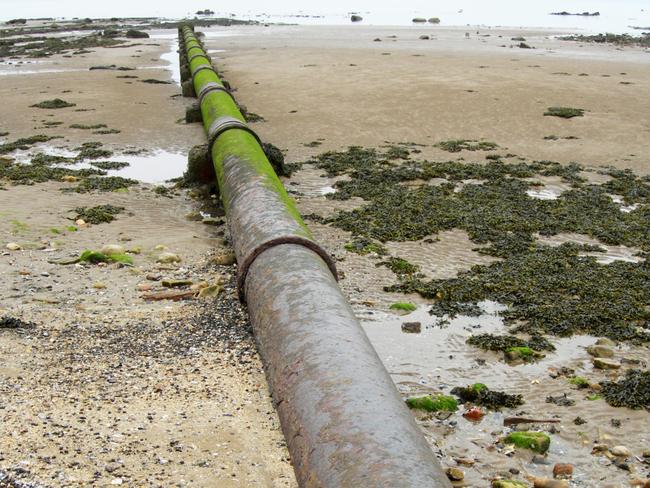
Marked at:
<point>276,158</point>
<point>193,113</point>
<point>412,327</point>
<point>199,166</point>
<point>480,394</point>
<point>604,363</point>
<point>600,351</point>
<point>210,291</point>
<point>535,441</point>
<point>168,258</point>
<point>135,34</point>
<point>434,20</point>
<point>433,403</point>
<point>187,89</point>
<point>13,246</point>
<point>419,20</point>
<point>403,307</point>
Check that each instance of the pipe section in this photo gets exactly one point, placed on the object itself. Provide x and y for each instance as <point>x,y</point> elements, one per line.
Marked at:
<point>344,421</point>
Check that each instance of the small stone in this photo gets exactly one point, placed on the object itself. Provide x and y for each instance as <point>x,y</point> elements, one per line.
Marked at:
<point>465,461</point>
<point>603,363</point>
<point>600,351</point>
<point>144,287</point>
<point>604,341</point>
<point>116,481</point>
<point>199,286</point>
<point>210,291</point>
<point>194,216</point>
<point>563,471</point>
<point>176,283</point>
<point>412,327</point>
<point>153,277</point>
<point>620,451</point>
<point>80,223</point>
<point>224,259</point>
<point>160,247</point>
<point>541,460</point>
<point>424,37</point>
<point>13,246</point>
<point>111,467</point>
<point>599,448</point>
<point>69,179</point>
<point>549,483</point>
<point>168,258</point>
<point>98,285</point>
<point>112,249</point>
<point>646,454</point>
<point>455,474</point>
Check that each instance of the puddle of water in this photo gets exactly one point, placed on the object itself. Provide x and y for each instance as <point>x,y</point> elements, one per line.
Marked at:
<point>550,189</point>
<point>611,254</point>
<point>171,57</point>
<point>153,167</point>
<point>326,190</point>
<point>624,208</point>
<point>12,72</point>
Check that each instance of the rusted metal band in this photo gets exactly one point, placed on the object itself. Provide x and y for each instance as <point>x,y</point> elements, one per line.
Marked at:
<point>222,124</point>
<point>245,265</point>
<point>198,55</point>
<point>210,87</point>
<point>201,68</point>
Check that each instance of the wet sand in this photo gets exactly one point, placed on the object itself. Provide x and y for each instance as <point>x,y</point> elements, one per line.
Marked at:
<point>105,388</point>
<point>338,86</point>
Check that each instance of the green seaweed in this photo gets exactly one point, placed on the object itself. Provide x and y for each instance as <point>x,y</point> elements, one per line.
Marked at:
<point>109,165</point>
<point>633,391</point>
<point>433,403</point>
<point>99,214</point>
<point>403,306</point>
<point>564,112</point>
<point>91,150</point>
<point>108,183</point>
<point>480,394</point>
<point>362,245</point>
<point>399,266</point>
<point>88,127</point>
<point>53,104</point>
<point>25,143</point>
<point>503,343</point>
<point>535,441</point>
<point>580,382</point>
<point>457,145</point>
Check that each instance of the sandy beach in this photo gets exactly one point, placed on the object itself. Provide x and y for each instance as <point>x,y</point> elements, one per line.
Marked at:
<point>102,387</point>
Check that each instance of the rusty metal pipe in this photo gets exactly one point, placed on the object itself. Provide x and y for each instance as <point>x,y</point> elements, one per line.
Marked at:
<point>344,421</point>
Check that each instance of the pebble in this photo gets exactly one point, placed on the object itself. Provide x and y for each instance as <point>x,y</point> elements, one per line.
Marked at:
<point>98,285</point>
<point>412,327</point>
<point>539,459</point>
<point>563,471</point>
<point>144,286</point>
<point>455,474</point>
<point>168,258</point>
<point>549,483</point>
<point>600,351</point>
<point>603,363</point>
<point>465,461</point>
<point>621,451</point>
<point>80,223</point>
<point>112,249</point>
<point>69,179</point>
<point>13,246</point>
<point>210,291</point>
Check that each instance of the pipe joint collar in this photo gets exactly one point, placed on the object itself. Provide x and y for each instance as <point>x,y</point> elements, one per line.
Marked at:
<point>198,55</point>
<point>201,68</point>
<point>278,241</point>
<point>225,123</point>
<point>210,87</point>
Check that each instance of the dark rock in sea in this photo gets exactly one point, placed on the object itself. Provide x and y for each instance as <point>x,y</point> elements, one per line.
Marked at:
<point>16,22</point>
<point>424,37</point>
<point>356,18</point>
<point>583,14</point>
<point>419,20</point>
<point>135,34</point>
